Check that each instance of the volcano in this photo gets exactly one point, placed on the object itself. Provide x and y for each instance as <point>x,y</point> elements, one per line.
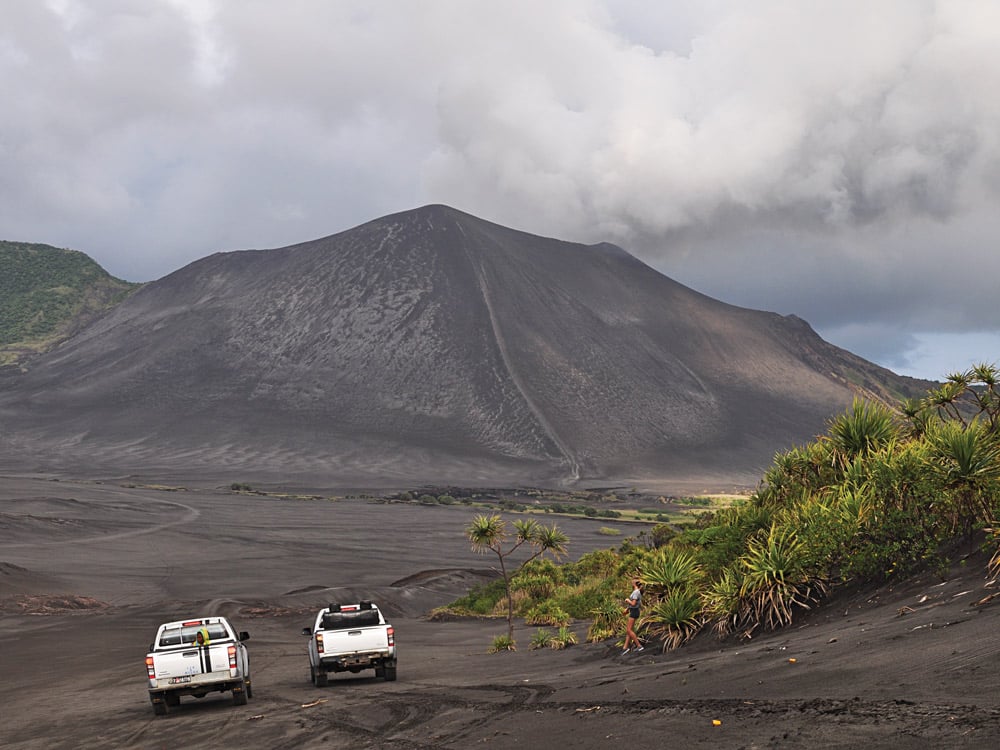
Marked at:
<point>430,345</point>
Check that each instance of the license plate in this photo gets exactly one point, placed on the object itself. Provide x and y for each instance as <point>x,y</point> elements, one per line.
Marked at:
<point>179,680</point>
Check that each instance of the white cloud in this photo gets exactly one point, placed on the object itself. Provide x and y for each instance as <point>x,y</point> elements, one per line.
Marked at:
<point>837,160</point>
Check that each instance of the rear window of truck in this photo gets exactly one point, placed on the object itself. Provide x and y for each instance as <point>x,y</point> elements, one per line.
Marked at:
<point>186,635</point>
<point>350,619</point>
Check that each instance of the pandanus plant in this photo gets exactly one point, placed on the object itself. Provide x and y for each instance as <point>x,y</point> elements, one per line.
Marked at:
<point>672,578</point>
<point>967,461</point>
<point>488,534</point>
<point>777,578</point>
<point>676,618</point>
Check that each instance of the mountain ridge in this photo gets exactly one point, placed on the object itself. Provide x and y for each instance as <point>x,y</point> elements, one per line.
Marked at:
<point>46,295</point>
<point>430,343</point>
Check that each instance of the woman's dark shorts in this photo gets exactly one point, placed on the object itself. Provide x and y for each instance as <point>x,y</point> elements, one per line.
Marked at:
<point>633,612</point>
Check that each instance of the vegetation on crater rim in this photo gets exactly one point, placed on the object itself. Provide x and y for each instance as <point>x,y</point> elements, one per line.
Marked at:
<point>46,293</point>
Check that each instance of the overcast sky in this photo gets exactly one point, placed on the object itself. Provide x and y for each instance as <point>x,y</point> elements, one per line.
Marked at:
<point>836,160</point>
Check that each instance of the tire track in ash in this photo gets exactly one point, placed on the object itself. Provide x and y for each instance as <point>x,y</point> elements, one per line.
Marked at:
<point>403,713</point>
<point>410,710</point>
<point>316,723</point>
<point>192,514</point>
<point>209,723</point>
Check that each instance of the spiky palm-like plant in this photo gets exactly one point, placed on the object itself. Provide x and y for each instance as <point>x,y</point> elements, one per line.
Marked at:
<point>721,603</point>
<point>676,618</point>
<point>947,400</point>
<point>988,394</point>
<point>808,466</point>
<point>608,620</point>
<point>776,578</point>
<point>502,643</point>
<point>547,613</point>
<point>821,535</point>
<point>489,534</point>
<point>564,638</point>
<point>854,508</point>
<point>865,427</point>
<point>668,569</point>
<point>994,565</point>
<point>918,416</point>
<point>541,639</point>
<point>967,460</point>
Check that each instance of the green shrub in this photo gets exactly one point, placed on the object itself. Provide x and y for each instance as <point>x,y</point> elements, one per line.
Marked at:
<point>481,600</point>
<point>600,562</point>
<point>503,643</point>
<point>563,639</point>
<point>675,619</point>
<point>534,587</point>
<point>609,621</point>
<point>661,534</point>
<point>547,613</point>
<point>667,569</point>
<point>541,638</point>
<point>721,603</point>
<point>776,577</point>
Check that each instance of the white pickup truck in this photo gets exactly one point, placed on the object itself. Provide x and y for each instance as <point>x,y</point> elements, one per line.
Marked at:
<point>350,638</point>
<point>196,657</point>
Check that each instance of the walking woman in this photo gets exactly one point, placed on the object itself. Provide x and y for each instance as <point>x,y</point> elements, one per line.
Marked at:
<point>632,603</point>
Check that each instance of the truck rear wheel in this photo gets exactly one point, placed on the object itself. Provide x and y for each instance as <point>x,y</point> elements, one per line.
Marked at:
<point>321,680</point>
<point>160,708</point>
<point>249,688</point>
<point>240,694</point>
<point>390,674</point>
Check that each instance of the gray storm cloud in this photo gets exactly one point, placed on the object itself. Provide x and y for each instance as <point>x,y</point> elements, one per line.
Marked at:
<point>836,160</point>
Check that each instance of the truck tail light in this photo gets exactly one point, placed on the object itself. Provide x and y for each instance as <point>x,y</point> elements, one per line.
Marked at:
<point>391,635</point>
<point>150,669</point>
<point>232,657</point>
<point>319,642</point>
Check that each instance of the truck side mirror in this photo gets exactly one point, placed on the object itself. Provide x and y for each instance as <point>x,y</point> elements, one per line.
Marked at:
<point>307,631</point>
<point>244,636</point>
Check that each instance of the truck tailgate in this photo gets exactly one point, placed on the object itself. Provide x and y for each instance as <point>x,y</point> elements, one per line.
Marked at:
<point>357,640</point>
<point>193,665</point>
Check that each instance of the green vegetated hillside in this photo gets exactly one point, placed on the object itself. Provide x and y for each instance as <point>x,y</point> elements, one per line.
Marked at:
<point>885,493</point>
<point>47,293</point>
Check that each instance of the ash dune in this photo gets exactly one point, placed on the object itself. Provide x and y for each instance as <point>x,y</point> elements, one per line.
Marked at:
<point>429,345</point>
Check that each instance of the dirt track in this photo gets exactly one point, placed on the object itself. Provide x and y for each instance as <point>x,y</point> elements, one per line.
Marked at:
<point>87,572</point>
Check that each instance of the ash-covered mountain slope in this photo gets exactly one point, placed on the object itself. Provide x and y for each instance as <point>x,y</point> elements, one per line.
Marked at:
<point>432,345</point>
